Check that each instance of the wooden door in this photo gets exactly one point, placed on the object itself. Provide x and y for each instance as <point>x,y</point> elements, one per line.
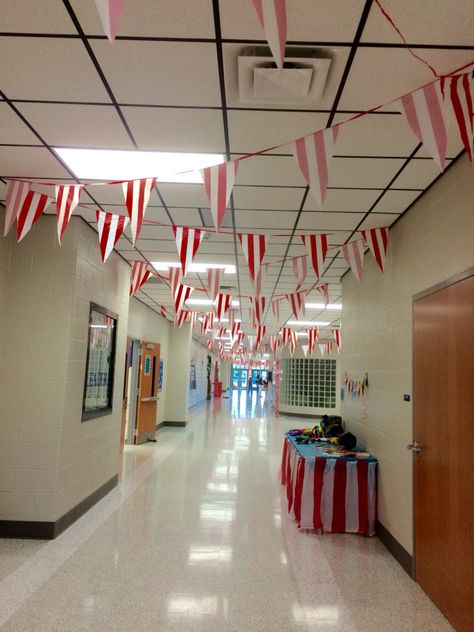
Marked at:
<point>444,467</point>
<point>125,395</point>
<point>145,424</point>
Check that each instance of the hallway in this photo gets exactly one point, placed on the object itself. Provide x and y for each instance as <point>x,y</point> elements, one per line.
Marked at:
<point>196,537</point>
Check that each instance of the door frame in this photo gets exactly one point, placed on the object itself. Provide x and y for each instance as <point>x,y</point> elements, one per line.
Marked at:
<point>132,402</point>
<point>455,278</point>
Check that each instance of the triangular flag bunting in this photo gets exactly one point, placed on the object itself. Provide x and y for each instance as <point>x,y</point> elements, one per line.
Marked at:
<point>377,240</point>
<point>317,248</point>
<point>174,279</point>
<point>322,348</point>
<point>110,12</point>
<point>324,290</point>
<point>67,198</point>
<point>235,329</point>
<point>305,350</point>
<point>218,183</point>
<point>140,274</point>
<point>424,112</point>
<point>163,311</point>
<point>313,154</point>
<point>297,304</point>
<point>222,304</point>
<point>276,308</point>
<point>192,319</point>
<point>183,292</point>
<point>110,228</point>
<point>261,329</point>
<point>300,269</point>
<point>137,195</point>
<point>337,338</point>
<point>16,194</point>
<point>187,242</point>
<point>273,343</point>
<point>354,255</point>
<point>33,206</point>
<point>459,92</point>
<point>181,317</point>
<point>259,307</point>
<point>329,347</point>
<point>285,332</point>
<point>254,251</point>
<point>313,334</point>
<point>272,18</point>
<point>213,282</point>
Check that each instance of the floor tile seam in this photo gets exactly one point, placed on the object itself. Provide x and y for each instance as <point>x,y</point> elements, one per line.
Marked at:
<point>21,584</point>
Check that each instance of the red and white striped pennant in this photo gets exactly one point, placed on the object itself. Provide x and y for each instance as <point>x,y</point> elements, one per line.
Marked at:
<point>232,314</point>
<point>213,282</point>
<point>300,269</point>
<point>208,322</point>
<point>183,292</point>
<point>16,194</point>
<point>285,332</point>
<point>354,255</point>
<point>272,18</point>
<point>181,317</point>
<point>296,301</point>
<point>324,290</point>
<point>317,248</point>
<point>337,338</point>
<point>322,348</point>
<point>33,206</point>
<point>313,335</point>
<point>274,343</point>
<point>293,341</point>
<point>261,329</point>
<point>210,344</point>
<point>222,304</point>
<point>461,98</point>
<point>163,311</point>
<point>140,274</point>
<point>235,329</point>
<point>174,279</point>
<point>276,308</point>
<point>192,319</point>
<point>110,228</point>
<point>313,154</point>
<point>424,111</point>
<point>377,240</point>
<point>222,331</point>
<point>259,307</point>
<point>304,348</point>
<point>329,347</point>
<point>252,317</point>
<point>67,198</point>
<point>254,250</point>
<point>218,183</point>
<point>137,195</point>
<point>188,241</point>
<point>110,12</point>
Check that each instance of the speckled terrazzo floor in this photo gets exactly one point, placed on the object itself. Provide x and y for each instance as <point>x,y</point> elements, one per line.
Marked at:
<point>196,538</point>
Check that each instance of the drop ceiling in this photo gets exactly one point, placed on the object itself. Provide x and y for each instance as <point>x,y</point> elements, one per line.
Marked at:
<point>169,83</point>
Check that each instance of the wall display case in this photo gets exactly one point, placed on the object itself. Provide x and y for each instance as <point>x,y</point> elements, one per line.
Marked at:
<point>309,383</point>
<point>99,380</point>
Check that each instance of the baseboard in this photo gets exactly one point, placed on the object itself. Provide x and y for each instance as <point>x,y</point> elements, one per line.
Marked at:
<point>160,425</point>
<point>396,549</point>
<point>36,530</point>
<point>175,424</point>
<point>304,415</point>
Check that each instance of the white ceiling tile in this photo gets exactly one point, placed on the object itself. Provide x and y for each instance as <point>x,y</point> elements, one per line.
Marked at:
<point>30,162</point>
<point>55,69</point>
<point>192,195</point>
<point>270,170</point>
<point>379,75</point>
<point>186,216</point>
<point>267,198</point>
<point>12,128</point>
<point>344,200</point>
<point>395,201</point>
<point>378,220</point>
<point>153,18</point>
<point>163,73</point>
<point>363,172</point>
<point>40,16</point>
<point>418,174</point>
<point>276,220</point>
<point>422,22</point>
<point>173,129</point>
<point>254,131</point>
<point>77,125</point>
<point>329,221</point>
<point>374,135</point>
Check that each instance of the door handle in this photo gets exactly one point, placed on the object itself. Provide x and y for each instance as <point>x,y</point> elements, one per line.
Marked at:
<point>414,447</point>
<point>149,399</point>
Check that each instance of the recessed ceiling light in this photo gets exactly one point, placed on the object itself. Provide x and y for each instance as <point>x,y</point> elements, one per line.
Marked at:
<point>194,267</point>
<point>117,164</point>
<point>207,301</point>
<point>323,306</point>
<point>307,323</point>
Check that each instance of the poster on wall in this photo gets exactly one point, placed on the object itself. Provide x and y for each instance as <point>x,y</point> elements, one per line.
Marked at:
<point>192,378</point>
<point>160,376</point>
<point>99,379</point>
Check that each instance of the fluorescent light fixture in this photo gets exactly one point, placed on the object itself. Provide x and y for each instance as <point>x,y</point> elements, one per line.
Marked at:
<point>307,323</point>
<point>98,326</point>
<point>207,301</point>
<point>226,320</point>
<point>194,267</point>
<point>118,164</point>
<point>337,306</point>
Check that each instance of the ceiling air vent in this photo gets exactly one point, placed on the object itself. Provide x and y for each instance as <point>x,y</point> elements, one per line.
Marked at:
<point>301,81</point>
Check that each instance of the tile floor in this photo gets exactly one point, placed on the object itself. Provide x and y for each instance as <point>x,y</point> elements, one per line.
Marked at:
<point>196,538</point>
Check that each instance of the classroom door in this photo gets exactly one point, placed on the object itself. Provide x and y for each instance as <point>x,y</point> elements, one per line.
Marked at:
<point>443,355</point>
<point>125,395</point>
<point>145,425</point>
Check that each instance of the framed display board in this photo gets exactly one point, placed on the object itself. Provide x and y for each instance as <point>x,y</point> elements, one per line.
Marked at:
<point>99,380</point>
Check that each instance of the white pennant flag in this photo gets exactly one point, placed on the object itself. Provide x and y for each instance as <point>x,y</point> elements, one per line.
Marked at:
<point>137,195</point>
<point>272,17</point>
<point>354,255</point>
<point>67,198</point>
<point>218,183</point>
<point>110,12</point>
<point>32,208</point>
<point>16,194</point>
<point>213,282</point>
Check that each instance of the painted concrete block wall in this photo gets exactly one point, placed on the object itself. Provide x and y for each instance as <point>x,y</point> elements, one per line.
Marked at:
<point>50,460</point>
<point>179,357</point>
<point>433,242</point>
<point>199,360</point>
<point>145,324</point>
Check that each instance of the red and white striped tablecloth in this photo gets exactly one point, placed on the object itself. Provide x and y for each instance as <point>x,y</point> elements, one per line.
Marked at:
<point>334,495</point>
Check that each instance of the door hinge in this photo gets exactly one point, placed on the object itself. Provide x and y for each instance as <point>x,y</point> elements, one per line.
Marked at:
<point>135,432</point>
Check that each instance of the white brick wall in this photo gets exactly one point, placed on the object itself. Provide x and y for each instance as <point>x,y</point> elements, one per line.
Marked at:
<point>433,242</point>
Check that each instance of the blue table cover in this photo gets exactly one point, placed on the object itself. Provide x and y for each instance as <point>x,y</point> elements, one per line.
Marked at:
<point>313,450</point>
